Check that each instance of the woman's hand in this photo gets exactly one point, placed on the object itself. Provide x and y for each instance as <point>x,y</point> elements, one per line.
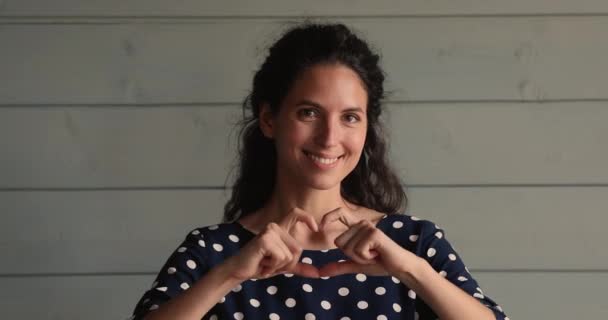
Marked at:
<point>274,251</point>
<point>371,250</point>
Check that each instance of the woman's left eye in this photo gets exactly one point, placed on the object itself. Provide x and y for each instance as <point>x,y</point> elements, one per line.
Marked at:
<point>351,118</point>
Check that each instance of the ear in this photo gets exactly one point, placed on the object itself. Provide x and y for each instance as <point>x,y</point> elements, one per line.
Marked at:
<point>266,121</point>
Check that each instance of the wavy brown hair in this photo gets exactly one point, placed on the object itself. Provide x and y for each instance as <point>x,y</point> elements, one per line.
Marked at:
<point>372,183</point>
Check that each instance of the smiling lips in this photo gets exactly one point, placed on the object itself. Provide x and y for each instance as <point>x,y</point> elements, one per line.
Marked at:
<point>322,162</point>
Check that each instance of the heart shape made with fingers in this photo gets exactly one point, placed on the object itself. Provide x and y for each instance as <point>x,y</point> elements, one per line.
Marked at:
<point>358,242</point>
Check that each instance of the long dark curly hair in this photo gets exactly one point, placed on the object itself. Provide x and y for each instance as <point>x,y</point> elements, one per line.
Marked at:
<point>372,183</point>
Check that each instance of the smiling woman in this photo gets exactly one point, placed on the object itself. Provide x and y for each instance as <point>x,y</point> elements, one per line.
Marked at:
<point>315,224</point>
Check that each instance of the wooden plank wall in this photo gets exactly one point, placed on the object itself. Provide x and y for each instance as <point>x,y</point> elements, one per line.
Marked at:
<point>115,139</point>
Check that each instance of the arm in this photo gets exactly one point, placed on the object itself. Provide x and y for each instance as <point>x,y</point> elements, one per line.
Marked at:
<point>446,299</point>
<point>200,298</point>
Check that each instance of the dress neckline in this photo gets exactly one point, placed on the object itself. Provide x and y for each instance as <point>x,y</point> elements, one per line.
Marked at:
<point>251,234</point>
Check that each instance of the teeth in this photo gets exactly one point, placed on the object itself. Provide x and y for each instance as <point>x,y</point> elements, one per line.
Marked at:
<point>322,160</point>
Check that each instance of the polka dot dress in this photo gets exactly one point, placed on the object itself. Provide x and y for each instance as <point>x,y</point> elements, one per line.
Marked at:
<point>288,296</point>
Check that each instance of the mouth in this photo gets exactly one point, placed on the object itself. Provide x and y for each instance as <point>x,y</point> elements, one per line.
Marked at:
<point>323,160</point>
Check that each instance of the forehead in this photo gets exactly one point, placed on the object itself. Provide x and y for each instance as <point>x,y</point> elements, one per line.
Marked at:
<point>332,86</point>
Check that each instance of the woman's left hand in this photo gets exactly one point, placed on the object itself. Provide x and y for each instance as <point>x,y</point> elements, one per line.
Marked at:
<point>371,250</point>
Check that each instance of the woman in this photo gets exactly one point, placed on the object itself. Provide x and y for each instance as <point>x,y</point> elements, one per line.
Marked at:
<point>313,230</point>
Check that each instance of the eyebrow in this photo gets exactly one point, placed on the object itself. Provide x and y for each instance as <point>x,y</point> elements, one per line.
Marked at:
<point>318,105</point>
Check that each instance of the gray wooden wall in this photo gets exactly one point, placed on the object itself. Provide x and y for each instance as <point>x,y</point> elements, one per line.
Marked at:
<point>115,139</point>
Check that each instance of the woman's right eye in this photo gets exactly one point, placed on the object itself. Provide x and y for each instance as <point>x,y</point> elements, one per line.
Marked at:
<point>307,113</point>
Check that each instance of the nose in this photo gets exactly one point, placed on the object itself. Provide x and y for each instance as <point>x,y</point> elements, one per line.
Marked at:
<point>328,133</point>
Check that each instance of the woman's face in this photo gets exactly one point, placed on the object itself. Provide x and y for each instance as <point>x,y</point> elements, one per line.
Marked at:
<point>320,129</point>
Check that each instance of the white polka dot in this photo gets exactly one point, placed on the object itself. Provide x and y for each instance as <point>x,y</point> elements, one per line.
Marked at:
<point>414,218</point>
<point>381,317</point>
<point>233,238</point>
<point>271,290</point>
<point>413,238</point>
<point>362,305</point>
<point>238,316</point>
<point>184,286</point>
<point>325,250</point>
<point>507,318</point>
<point>273,316</point>
<point>411,294</point>
<point>397,224</point>
<point>218,247</point>
<point>213,317</point>
<point>396,307</point>
<point>395,280</point>
<point>341,260</point>
<point>309,316</point>
<point>288,275</point>
<point>452,256</point>
<point>324,278</point>
<point>181,249</point>
<point>223,299</point>
<point>191,264</point>
<point>438,234</point>
<point>306,287</point>
<point>443,273</point>
<point>380,291</point>
<point>163,289</point>
<point>237,288</point>
<point>154,307</point>
<point>499,308</point>
<point>325,305</point>
<point>171,270</point>
<point>462,279</point>
<point>254,302</point>
<point>307,260</point>
<point>290,302</point>
<point>196,232</point>
<point>478,295</point>
<point>345,318</point>
<point>146,300</point>
<point>479,289</point>
<point>416,316</point>
<point>361,277</point>
<point>343,291</point>
<point>431,252</point>
<point>201,243</point>
<point>213,228</point>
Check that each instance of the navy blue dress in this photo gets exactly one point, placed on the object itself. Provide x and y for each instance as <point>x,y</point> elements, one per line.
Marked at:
<point>287,296</point>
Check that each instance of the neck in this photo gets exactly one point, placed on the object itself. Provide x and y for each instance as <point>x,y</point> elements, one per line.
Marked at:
<point>315,203</point>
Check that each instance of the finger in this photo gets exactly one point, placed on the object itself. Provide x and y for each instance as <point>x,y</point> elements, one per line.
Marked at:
<point>298,215</point>
<point>338,268</point>
<point>306,270</point>
<point>360,246</point>
<point>294,266</point>
<point>335,215</point>
<point>345,237</point>
<point>353,247</point>
<point>275,254</point>
<point>294,248</point>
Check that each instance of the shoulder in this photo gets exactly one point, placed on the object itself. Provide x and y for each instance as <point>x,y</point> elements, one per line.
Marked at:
<point>413,233</point>
<point>217,240</point>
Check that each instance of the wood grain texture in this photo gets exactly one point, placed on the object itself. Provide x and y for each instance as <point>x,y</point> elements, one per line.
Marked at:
<point>188,8</point>
<point>435,59</point>
<point>470,143</point>
<point>136,231</point>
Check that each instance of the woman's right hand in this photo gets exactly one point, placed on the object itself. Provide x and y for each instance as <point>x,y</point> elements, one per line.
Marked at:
<point>274,251</point>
